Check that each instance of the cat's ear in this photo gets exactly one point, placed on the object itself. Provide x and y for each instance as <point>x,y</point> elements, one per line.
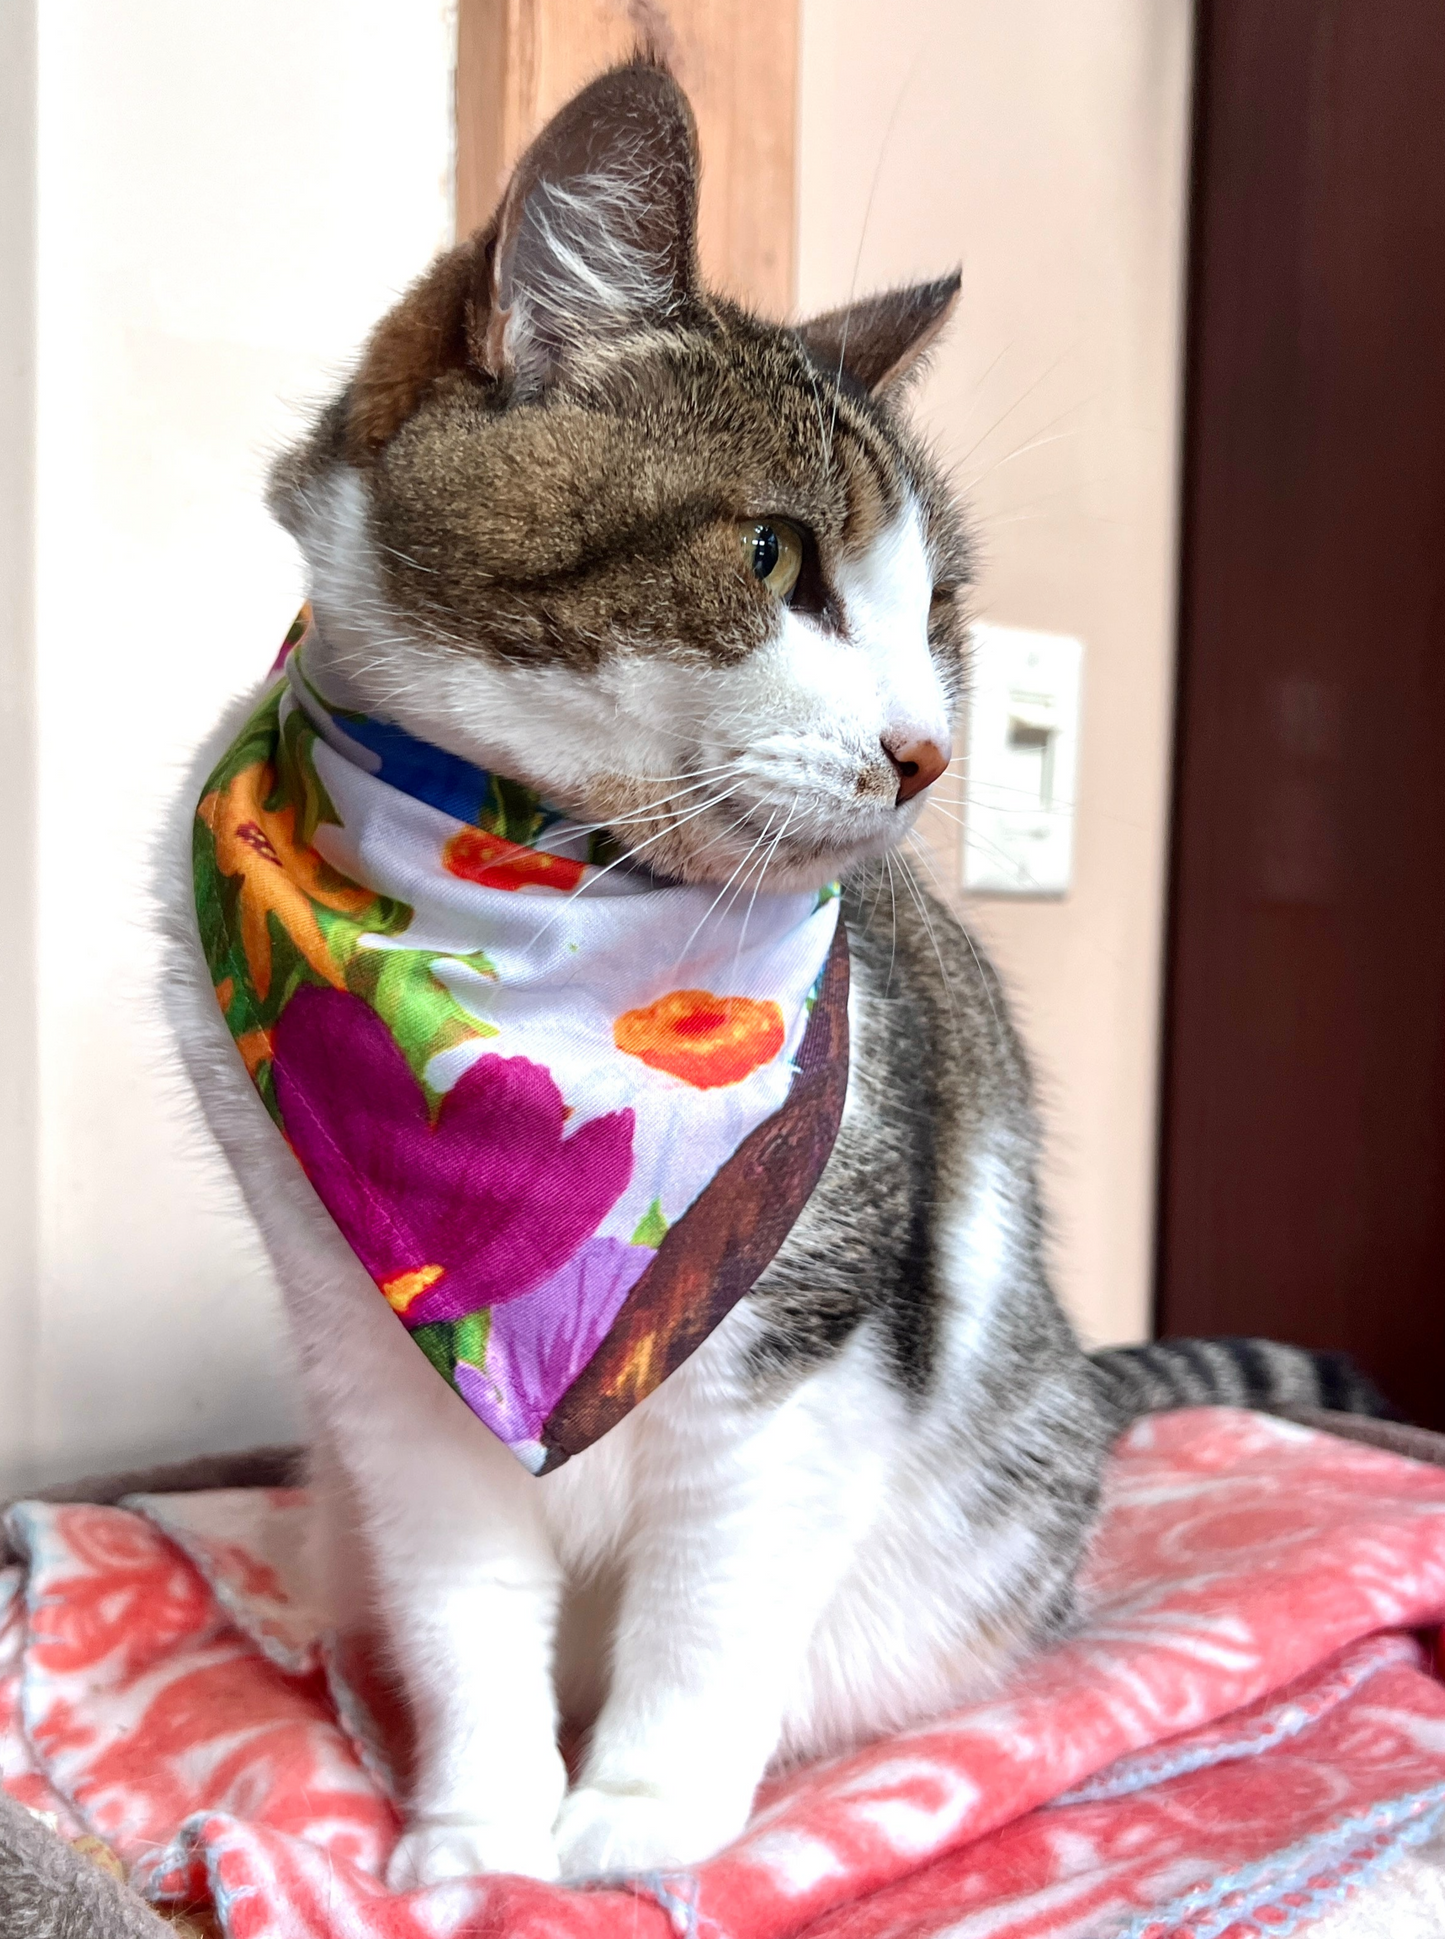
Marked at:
<point>880,340</point>
<point>408,350</point>
<point>596,232</point>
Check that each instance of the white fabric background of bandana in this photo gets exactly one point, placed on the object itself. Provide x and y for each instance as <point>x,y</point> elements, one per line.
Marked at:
<point>570,963</point>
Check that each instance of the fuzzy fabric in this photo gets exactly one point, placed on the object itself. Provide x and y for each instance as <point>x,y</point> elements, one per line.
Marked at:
<point>1406,1902</point>
<point>1245,1738</point>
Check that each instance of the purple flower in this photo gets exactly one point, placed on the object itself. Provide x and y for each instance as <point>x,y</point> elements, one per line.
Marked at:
<point>474,1210</point>
<point>539,1344</point>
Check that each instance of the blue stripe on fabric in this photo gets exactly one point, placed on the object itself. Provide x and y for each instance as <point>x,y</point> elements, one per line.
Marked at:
<point>443,780</point>
<point>414,767</point>
<point>1209,1911</point>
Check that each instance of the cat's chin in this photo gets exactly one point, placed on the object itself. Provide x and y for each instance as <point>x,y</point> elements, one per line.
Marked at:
<point>806,869</point>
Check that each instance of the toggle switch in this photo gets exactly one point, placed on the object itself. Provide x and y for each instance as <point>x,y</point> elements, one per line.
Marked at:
<point>1023,758</point>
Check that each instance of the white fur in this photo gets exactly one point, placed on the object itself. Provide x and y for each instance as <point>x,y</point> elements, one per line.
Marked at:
<point>582,264</point>
<point>733,1581</point>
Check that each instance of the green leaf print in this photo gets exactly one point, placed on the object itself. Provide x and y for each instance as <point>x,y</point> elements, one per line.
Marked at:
<point>384,916</point>
<point>478,960</point>
<point>265,1082</point>
<point>512,811</point>
<point>421,1015</point>
<point>247,1012</point>
<point>652,1228</point>
<point>289,971</point>
<point>444,1342</point>
<point>253,746</point>
<point>435,1342</point>
<point>469,1337</point>
<point>297,781</point>
<point>218,918</point>
<point>603,848</point>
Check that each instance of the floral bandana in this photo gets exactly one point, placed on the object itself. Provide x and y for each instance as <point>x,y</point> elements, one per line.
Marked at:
<point>563,1113</point>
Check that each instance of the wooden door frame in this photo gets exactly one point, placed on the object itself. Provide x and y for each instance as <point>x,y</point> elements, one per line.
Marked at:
<point>1302,1122</point>
<point>519,60</point>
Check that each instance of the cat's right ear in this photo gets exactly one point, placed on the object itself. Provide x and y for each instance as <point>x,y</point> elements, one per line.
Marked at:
<point>880,341</point>
<point>596,233</point>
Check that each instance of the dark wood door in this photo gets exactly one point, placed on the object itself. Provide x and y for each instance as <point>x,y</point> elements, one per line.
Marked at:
<point>1303,1176</point>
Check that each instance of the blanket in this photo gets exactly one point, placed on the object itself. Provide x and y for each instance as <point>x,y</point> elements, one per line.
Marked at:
<point>1245,1728</point>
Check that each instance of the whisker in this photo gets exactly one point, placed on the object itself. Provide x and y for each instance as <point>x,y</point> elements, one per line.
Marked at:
<point>678,821</point>
<point>707,914</point>
<point>983,846</point>
<point>643,812</point>
<point>893,904</point>
<point>1035,437</point>
<point>921,904</point>
<point>1042,377</point>
<point>1001,1035</point>
<point>762,872</point>
<point>908,80</point>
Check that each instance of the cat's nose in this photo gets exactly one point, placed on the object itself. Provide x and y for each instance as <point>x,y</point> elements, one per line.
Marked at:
<point>917,764</point>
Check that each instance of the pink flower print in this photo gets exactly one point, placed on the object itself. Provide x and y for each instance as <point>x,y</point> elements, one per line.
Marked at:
<point>537,1345</point>
<point>473,1210</point>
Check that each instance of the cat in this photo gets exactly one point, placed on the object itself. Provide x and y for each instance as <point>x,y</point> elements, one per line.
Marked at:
<point>691,576</point>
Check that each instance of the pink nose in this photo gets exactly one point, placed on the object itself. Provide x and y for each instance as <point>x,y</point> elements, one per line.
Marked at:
<point>917,764</point>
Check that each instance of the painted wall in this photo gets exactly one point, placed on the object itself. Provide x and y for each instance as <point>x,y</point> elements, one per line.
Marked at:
<point>19,1209</point>
<point>1042,145</point>
<point>227,199</point>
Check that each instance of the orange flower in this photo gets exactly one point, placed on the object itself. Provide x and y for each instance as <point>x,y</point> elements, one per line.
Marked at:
<point>705,1040</point>
<point>477,856</point>
<point>279,876</point>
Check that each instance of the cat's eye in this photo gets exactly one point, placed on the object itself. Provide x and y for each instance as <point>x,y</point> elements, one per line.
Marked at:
<point>772,552</point>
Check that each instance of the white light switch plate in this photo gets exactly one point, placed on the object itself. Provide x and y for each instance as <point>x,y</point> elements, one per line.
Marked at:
<point>1023,762</point>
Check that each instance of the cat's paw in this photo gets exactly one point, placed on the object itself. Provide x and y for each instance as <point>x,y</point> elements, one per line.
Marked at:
<point>602,1831</point>
<point>430,1850</point>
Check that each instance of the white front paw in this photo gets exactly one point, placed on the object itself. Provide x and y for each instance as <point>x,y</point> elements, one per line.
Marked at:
<point>430,1850</point>
<point>601,1831</point>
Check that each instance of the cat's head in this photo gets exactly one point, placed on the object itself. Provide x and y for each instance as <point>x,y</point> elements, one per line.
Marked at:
<point>680,570</point>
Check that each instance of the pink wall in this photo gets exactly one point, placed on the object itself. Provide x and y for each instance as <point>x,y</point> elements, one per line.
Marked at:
<point>1042,144</point>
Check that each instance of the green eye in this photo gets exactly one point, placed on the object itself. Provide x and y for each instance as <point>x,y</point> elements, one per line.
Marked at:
<point>773,552</point>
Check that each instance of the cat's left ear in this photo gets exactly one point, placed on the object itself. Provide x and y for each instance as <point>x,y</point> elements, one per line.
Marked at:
<point>879,341</point>
<point>597,231</point>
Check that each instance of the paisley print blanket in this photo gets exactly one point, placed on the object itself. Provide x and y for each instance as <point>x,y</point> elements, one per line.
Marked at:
<point>1245,1728</point>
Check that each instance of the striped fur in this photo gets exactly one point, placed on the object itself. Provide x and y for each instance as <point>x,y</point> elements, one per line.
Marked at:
<point>1236,1373</point>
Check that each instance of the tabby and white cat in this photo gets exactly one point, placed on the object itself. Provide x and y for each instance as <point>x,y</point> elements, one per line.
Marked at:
<point>866,1494</point>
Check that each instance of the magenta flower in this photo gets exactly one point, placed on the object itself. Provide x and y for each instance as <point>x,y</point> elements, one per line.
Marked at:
<point>537,1345</point>
<point>477,1209</point>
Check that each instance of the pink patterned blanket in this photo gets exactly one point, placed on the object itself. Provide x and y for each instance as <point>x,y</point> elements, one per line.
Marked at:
<point>1243,1730</point>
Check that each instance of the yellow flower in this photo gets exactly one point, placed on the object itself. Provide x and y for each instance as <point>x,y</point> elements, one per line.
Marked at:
<point>279,876</point>
<point>404,1288</point>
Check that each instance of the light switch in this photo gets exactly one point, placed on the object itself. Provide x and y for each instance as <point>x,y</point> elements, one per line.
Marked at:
<point>1023,759</point>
